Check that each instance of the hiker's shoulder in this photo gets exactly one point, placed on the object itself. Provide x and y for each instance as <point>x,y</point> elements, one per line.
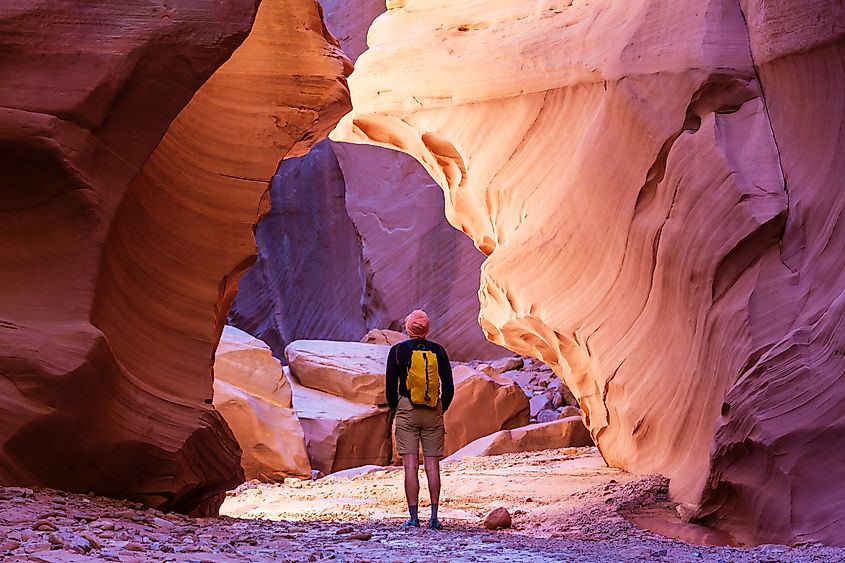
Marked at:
<point>436,347</point>
<point>400,345</point>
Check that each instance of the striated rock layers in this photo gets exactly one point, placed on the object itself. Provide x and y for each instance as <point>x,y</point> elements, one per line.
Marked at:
<point>658,189</point>
<point>356,239</point>
<point>254,396</point>
<point>123,244</point>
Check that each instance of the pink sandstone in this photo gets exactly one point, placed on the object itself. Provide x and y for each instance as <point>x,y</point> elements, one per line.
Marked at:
<point>656,188</point>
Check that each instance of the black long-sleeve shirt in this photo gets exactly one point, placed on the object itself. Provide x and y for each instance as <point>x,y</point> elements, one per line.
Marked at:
<point>398,362</point>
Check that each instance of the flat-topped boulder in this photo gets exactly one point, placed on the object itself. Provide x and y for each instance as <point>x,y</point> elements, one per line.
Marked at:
<point>352,370</point>
<point>564,433</point>
<point>339,433</point>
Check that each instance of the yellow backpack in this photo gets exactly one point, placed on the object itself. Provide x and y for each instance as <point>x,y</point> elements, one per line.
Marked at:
<point>423,379</point>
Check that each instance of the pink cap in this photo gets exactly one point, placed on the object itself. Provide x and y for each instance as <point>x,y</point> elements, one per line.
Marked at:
<point>416,324</point>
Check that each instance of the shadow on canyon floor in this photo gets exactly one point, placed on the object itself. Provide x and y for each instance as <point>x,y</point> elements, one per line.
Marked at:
<point>566,506</point>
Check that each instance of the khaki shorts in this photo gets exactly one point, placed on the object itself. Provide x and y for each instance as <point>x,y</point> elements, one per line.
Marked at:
<point>415,424</point>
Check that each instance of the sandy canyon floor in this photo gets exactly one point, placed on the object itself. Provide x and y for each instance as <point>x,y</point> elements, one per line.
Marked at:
<point>566,506</point>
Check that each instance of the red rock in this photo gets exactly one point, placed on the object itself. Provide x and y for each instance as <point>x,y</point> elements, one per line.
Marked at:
<point>252,393</point>
<point>134,178</point>
<point>498,518</point>
<point>661,224</point>
<point>368,247</point>
<point>562,433</point>
<point>483,404</point>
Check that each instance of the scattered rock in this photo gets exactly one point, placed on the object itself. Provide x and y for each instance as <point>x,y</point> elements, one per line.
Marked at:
<point>134,546</point>
<point>498,518</point>
<point>569,411</point>
<point>538,403</point>
<point>44,526</point>
<point>364,536</point>
<point>507,364</point>
<point>547,415</point>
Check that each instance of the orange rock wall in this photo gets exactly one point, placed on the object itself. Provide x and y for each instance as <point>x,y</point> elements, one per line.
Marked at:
<point>124,244</point>
<point>356,239</point>
<point>659,214</point>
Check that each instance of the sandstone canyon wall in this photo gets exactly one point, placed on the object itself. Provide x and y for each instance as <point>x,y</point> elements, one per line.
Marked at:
<point>657,186</point>
<point>356,239</point>
<point>125,226</point>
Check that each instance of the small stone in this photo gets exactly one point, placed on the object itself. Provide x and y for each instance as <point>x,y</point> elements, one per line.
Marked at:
<point>134,546</point>
<point>557,400</point>
<point>28,535</point>
<point>345,530</point>
<point>93,540</point>
<point>547,415</point>
<point>506,364</point>
<point>44,526</point>
<point>55,539</point>
<point>104,524</point>
<point>162,523</point>
<point>498,518</point>
<point>363,536</point>
<point>9,545</point>
<point>570,411</point>
<point>81,543</point>
<point>538,403</point>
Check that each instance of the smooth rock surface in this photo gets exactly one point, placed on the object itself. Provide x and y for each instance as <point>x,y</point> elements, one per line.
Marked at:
<point>660,219</point>
<point>384,336</point>
<point>136,148</point>
<point>483,404</point>
<point>87,91</point>
<point>498,518</point>
<point>339,433</point>
<point>365,249</point>
<point>567,432</point>
<point>352,370</point>
<point>254,397</point>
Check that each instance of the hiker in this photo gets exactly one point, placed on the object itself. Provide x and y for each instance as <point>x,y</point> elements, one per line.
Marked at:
<point>419,389</point>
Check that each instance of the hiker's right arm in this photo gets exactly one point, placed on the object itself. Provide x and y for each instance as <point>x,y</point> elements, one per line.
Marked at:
<point>391,383</point>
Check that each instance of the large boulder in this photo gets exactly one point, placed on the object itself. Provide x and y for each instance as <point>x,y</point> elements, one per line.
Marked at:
<point>340,433</point>
<point>483,404</point>
<point>564,433</point>
<point>254,396</point>
<point>136,141</point>
<point>352,370</point>
<point>660,213</point>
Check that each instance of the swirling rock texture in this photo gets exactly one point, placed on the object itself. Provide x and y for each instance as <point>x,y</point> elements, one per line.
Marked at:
<point>657,187</point>
<point>356,239</point>
<point>115,283</point>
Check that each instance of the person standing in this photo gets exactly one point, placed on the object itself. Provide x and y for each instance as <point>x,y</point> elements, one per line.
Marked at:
<point>419,389</point>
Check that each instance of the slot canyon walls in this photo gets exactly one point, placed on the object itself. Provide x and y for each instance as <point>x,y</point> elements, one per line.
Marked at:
<point>657,186</point>
<point>134,171</point>
<point>356,239</point>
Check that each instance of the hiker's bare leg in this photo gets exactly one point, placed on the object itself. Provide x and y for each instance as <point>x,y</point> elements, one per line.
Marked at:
<point>412,479</point>
<point>432,473</point>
